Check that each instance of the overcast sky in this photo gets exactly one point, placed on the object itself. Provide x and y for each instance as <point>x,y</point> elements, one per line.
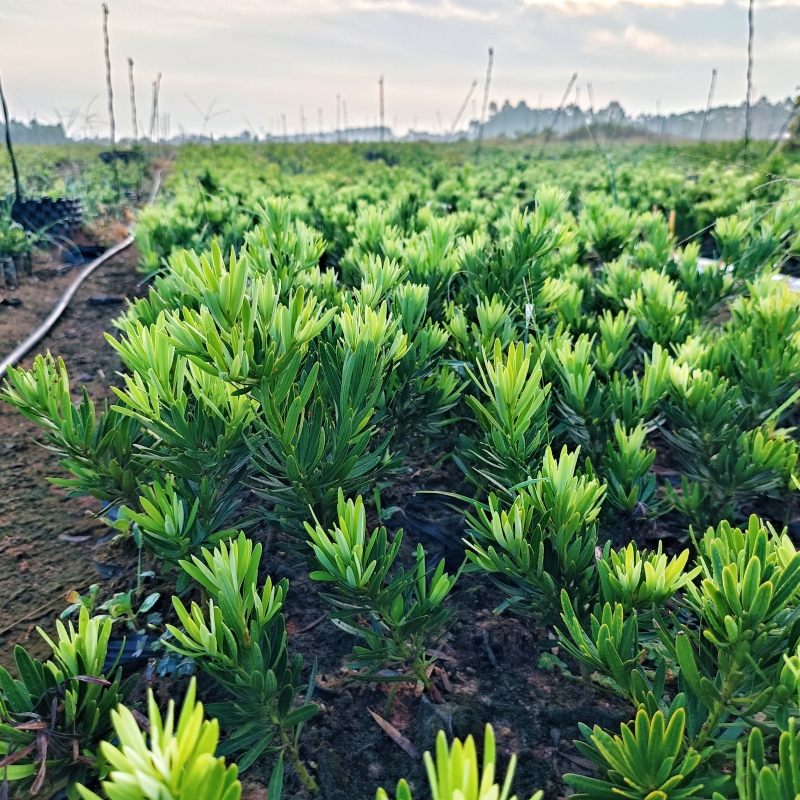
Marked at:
<point>260,59</point>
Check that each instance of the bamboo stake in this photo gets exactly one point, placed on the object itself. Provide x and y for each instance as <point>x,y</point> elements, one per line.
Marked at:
<point>133,101</point>
<point>380,84</point>
<point>17,189</point>
<point>749,76</point>
<point>108,77</point>
<point>154,111</point>
<point>485,100</point>
<point>549,132</point>
<point>708,104</point>
<point>461,110</point>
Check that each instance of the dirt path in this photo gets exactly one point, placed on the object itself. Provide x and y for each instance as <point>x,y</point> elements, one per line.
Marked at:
<point>46,541</point>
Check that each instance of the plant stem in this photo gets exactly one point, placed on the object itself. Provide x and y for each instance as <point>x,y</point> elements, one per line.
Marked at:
<point>728,688</point>
<point>390,699</point>
<point>419,668</point>
<point>305,776</point>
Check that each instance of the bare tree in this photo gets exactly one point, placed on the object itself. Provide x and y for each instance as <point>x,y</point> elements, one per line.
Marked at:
<point>73,115</point>
<point>206,115</point>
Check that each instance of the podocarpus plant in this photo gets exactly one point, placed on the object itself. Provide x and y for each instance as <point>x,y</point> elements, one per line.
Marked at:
<point>728,643</point>
<point>512,419</point>
<point>171,529</point>
<point>178,762</point>
<point>198,426</point>
<point>728,463</point>
<point>659,309</point>
<point>608,410</point>
<point>607,228</point>
<point>642,580</point>
<point>405,611</point>
<point>241,642</point>
<point>281,246</point>
<point>421,388</point>
<point>649,759</point>
<point>244,335</point>
<point>14,239</point>
<point>515,264</point>
<point>758,780</point>
<point>53,719</point>
<point>176,419</point>
<point>759,348</point>
<point>456,774</point>
<point>544,542</point>
<point>303,454</point>
<point>99,450</point>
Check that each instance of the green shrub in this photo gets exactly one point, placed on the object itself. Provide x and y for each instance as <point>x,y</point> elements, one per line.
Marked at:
<point>54,718</point>
<point>544,542</point>
<point>241,643</point>
<point>178,763</point>
<point>456,775</point>
<point>405,610</point>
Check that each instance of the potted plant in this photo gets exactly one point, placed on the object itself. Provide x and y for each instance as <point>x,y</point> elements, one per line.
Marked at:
<point>16,245</point>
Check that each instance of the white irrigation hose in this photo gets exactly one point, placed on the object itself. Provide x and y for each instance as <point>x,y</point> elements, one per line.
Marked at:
<point>42,331</point>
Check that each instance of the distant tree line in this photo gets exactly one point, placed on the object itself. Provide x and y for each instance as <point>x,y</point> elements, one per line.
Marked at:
<point>722,123</point>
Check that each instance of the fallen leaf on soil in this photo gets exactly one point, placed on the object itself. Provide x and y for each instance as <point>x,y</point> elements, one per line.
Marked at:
<point>395,735</point>
<point>67,538</point>
<point>310,624</point>
<point>142,720</point>
<point>439,654</point>
<point>583,763</point>
<point>445,679</point>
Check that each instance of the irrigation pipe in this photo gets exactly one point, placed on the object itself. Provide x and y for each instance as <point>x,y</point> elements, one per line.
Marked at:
<point>39,333</point>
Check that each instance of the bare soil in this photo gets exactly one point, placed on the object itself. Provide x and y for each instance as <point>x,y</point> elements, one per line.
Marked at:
<point>47,543</point>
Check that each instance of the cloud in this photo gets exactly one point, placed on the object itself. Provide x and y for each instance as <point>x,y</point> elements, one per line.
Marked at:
<point>595,6</point>
<point>436,10</point>
<point>260,9</point>
<point>632,38</point>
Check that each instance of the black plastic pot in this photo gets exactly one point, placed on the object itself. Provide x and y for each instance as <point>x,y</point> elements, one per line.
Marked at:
<point>8,270</point>
<point>57,215</point>
<point>23,264</point>
<point>136,649</point>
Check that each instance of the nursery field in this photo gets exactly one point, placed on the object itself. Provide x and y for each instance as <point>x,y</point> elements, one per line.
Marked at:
<point>393,446</point>
<point>76,170</point>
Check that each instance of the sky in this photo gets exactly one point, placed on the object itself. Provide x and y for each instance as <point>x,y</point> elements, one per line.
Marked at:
<point>256,60</point>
